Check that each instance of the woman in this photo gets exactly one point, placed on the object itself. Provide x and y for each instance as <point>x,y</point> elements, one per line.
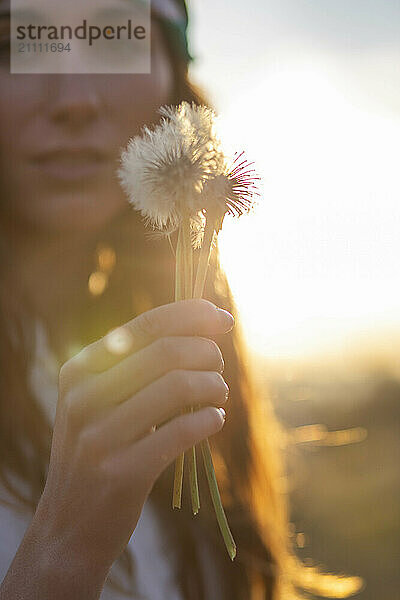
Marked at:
<point>71,499</point>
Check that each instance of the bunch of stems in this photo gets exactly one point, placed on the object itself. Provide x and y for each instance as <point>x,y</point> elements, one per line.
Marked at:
<point>187,287</point>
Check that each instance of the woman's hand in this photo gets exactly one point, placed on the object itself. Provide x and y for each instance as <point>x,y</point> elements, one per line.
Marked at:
<point>105,454</point>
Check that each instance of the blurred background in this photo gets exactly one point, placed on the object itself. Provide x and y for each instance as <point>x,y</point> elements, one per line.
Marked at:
<point>311,90</point>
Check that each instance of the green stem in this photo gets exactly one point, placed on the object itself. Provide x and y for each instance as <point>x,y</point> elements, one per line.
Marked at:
<point>204,260</point>
<point>171,246</point>
<point>188,259</point>
<point>194,486</point>
<point>192,466</point>
<point>179,295</point>
<point>179,292</point>
<point>201,275</point>
<point>216,499</point>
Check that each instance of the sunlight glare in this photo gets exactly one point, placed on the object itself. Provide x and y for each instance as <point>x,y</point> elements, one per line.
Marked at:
<point>317,261</point>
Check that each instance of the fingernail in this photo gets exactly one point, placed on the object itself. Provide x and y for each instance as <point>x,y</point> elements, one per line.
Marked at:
<point>226,319</point>
<point>223,413</point>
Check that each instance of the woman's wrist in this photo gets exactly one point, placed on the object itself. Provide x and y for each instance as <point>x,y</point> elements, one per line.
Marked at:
<point>47,566</point>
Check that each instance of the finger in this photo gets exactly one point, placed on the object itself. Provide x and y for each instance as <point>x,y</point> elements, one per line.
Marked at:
<point>157,403</point>
<point>149,457</point>
<point>138,370</point>
<point>196,317</point>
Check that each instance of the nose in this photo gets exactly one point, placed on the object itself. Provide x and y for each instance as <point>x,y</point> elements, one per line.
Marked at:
<point>75,102</point>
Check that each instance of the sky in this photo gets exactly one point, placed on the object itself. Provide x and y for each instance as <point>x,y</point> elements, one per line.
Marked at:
<point>311,90</point>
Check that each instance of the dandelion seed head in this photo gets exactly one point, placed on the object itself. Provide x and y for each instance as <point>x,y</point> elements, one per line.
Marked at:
<point>164,170</point>
<point>178,169</point>
<point>193,119</point>
<point>233,191</point>
<point>199,123</point>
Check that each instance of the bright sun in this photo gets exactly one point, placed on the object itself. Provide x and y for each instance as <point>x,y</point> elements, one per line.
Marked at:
<point>317,263</point>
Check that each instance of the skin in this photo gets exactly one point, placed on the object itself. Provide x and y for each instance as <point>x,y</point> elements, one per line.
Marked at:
<point>105,452</point>
<point>50,218</point>
<point>73,110</point>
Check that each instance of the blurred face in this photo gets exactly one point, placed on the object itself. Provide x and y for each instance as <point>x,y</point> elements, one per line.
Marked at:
<point>60,138</point>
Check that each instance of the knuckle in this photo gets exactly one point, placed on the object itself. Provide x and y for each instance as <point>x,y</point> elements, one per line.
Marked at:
<point>169,351</point>
<point>73,369</point>
<point>181,382</point>
<point>118,341</point>
<point>147,324</point>
<point>83,356</point>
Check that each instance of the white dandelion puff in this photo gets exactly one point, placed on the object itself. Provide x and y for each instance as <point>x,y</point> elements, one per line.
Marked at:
<point>163,171</point>
<point>198,122</point>
<point>159,171</point>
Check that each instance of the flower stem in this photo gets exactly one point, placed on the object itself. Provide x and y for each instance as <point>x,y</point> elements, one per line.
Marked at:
<point>201,275</point>
<point>179,295</point>
<point>216,499</point>
<point>204,260</point>
<point>188,252</point>
<point>188,259</point>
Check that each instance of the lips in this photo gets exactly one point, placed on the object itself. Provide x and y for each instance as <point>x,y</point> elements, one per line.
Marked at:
<point>70,164</point>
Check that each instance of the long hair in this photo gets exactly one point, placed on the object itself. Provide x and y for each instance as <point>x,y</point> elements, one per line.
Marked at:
<point>245,452</point>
